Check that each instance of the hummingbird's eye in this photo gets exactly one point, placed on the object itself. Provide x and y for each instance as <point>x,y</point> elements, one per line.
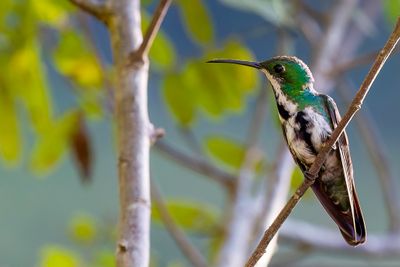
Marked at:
<point>278,68</point>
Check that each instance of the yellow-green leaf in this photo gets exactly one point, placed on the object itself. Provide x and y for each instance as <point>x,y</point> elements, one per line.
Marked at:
<point>53,143</point>
<point>226,151</point>
<point>10,139</point>
<point>231,153</point>
<point>191,216</point>
<point>54,256</point>
<point>392,9</point>
<point>76,61</point>
<point>197,20</point>
<point>53,13</point>
<point>82,228</point>
<point>179,98</point>
<point>31,87</point>
<point>297,179</point>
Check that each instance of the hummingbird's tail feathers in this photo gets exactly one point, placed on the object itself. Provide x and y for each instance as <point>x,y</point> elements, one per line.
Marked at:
<point>358,233</point>
<point>350,222</point>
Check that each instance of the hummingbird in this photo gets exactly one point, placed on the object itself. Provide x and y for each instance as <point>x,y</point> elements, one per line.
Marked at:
<point>308,118</point>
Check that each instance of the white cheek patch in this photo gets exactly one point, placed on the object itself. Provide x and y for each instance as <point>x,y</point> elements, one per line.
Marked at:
<point>281,98</point>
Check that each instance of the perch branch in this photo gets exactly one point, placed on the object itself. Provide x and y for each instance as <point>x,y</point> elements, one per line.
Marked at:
<point>319,160</point>
<point>191,253</point>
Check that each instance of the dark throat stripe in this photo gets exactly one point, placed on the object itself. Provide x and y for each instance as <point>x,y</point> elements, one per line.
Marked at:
<point>302,133</point>
<point>283,112</point>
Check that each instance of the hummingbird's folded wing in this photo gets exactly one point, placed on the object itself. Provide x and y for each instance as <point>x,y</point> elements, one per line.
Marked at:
<point>358,233</point>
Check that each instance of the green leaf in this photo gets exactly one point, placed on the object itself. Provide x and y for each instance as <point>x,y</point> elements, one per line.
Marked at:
<point>76,61</point>
<point>210,88</point>
<point>32,89</point>
<point>55,256</point>
<point>162,52</point>
<point>296,180</point>
<point>10,139</point>
<point>226,151</point>
<point>231,153</point>
<point>277,12</point>
<point>179,98</point>
<point>191,216</point>
<point>197,20</point>
<point>391,9</point>
<point>53,143</point>
<point>53,13</point>
<point>224,87</point>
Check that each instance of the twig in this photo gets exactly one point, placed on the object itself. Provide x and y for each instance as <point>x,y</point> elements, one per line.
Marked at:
<point>191,252</point>
<point>151,32</point>
<point>325,239</point>
<point>319,160</point>
<point>226,179</point>
<point>97,8</point>
<point>376,150</point>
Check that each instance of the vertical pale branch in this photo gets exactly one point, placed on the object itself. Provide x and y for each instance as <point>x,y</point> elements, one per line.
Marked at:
<point>133,134</point>
<point>316,166</point>
<point>276,199</point>
<point>134,130</point>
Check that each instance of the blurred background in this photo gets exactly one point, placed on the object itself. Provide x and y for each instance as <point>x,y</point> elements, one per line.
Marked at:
<point>58,183</point>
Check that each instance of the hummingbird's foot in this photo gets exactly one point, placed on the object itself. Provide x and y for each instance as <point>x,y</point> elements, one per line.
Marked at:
<point>310,177</point>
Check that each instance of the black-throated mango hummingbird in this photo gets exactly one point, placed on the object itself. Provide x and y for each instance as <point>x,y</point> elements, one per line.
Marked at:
<point>308,119</point>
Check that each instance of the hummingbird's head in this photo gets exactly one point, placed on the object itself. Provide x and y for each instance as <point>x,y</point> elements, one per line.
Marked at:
<point>281,71</point>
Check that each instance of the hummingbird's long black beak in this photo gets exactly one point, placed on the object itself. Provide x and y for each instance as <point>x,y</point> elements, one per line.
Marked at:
<point>238,62</point>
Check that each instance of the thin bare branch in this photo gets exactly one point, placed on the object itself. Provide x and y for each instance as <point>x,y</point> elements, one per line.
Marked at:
<point>324,239</point>
<point>152,31</point>
<point>227,180</point>
<point>376,149</point>
<point>316,166</point>
<point>190,251</point>
<point>97,8</point>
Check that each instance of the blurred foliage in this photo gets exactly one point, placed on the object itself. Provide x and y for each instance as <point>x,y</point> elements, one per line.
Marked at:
<point>391,9</point>
<point>191,216</point>
<point>83,228</point>
<point>209,88</point>
<point>92,245</point>
<point>231,153</point>
<point>55,256</point>
<point>197,20</point>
